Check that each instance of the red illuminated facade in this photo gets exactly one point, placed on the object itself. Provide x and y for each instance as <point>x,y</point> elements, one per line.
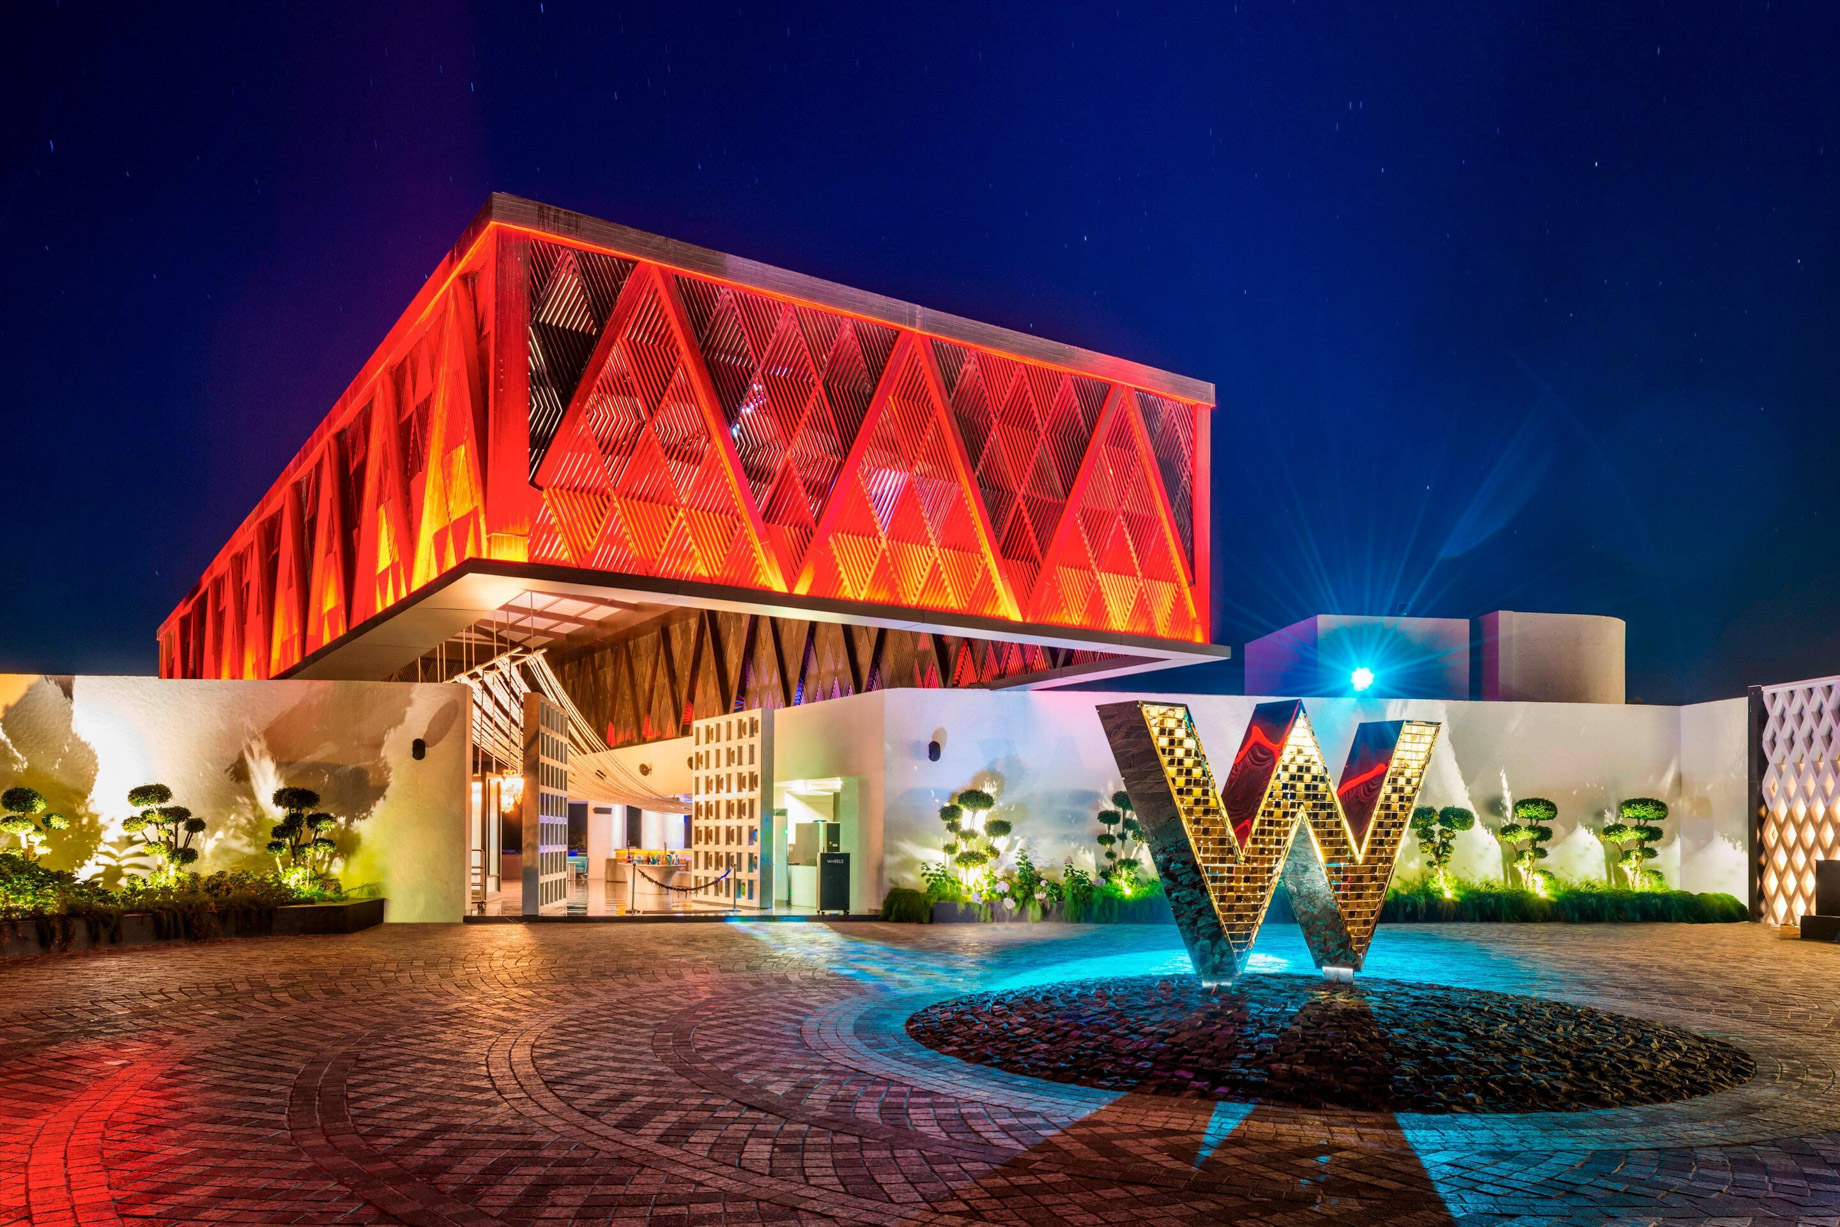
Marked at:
<point>571,399</point>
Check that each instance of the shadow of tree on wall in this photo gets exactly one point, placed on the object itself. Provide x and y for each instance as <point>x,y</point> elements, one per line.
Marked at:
<point>330,747</point>
<point>41,749</point>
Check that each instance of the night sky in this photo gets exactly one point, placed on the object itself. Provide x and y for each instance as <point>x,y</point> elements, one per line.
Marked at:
<point>1537,312</point>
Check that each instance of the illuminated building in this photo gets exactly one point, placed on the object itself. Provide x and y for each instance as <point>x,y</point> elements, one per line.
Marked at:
<point>699,484</point>
<point>642,485</point>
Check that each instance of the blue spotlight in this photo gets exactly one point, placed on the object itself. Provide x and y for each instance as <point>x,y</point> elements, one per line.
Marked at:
<point>1361,678</point>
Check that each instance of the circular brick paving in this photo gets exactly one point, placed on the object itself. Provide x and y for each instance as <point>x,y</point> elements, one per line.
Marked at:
<point>762,1073</point>
<point>1383,1046</point>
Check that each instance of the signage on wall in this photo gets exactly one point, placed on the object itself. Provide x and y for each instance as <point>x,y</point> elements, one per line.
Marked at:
<point>1222,852</point>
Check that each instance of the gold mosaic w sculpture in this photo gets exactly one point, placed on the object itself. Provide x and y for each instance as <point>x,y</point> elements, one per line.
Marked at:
<point>1222,852</point>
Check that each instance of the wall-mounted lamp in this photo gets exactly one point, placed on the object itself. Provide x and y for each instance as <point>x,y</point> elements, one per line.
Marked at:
<point>645,768</point>
<point>932,751</point>
<point>418,749</point>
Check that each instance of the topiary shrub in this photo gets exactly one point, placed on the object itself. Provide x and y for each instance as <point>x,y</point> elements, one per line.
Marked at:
<point>970,842</point>
<point>166,831</point>
<point>1120,838</point>
<point>23,816</point>
<point>1526,834</point>
<point>303,843</point>
<point>1437,831</point>
<point>1637,825</point>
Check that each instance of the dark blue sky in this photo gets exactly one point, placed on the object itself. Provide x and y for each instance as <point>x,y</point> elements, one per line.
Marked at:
<point>1536,312</point>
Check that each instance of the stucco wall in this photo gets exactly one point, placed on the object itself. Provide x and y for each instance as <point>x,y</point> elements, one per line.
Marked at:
<point>1044,757</point>
<point>224,747</point>
<point>1552,658</point>
<point>1715,789</point>
<point>847,738</point>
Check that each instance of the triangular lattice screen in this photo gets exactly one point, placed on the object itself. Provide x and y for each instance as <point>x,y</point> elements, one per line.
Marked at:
<point>832,456</point>
<point>546,402</point>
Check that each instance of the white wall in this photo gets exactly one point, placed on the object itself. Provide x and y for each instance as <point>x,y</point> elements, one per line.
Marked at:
<point>224,747</point>
<point>1548,658</point>
<point>1044,757</point>
<point>1714,796</point>
<point>664,766</point>
<point>844,738</point>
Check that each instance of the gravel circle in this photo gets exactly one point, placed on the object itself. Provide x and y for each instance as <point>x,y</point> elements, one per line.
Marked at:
<point>1378,1046</point>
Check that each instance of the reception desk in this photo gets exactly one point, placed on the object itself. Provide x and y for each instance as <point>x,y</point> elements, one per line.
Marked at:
<point>639,887</point>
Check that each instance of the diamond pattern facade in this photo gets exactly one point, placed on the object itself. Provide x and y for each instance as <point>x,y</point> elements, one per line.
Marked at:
<point>547,400</point>
<point>1800,820</point>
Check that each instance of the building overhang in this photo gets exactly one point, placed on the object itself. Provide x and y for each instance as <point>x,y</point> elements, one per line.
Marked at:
<point>482,591</point>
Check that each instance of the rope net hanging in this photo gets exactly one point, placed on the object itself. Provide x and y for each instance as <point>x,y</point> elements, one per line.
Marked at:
<point>595,772</point>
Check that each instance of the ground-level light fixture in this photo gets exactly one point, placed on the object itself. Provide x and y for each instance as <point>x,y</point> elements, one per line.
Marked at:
<point>1361,678</point>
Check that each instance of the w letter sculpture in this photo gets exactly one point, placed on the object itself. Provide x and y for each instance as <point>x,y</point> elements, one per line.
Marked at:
<point>1220,854</point>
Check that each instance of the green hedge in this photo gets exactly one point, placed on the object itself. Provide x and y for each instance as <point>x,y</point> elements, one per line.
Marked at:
<point>908,906</point>
<point>1420,902</point>
<point>1102,907</point>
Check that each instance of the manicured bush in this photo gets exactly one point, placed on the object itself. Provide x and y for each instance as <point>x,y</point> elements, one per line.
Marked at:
<point>970,842</point>
<point>1637,825</point>
<point>1526,833</point>
<point>1120,837</point>
<point>907,906</point>
<point>23,816</point>
<point>1423,900</point>
<point>1437,831</point>
<point>304,842</point>
<point>166,830</point>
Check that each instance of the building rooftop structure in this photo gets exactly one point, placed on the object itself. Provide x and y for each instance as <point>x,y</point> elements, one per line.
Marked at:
<point>672,483</point>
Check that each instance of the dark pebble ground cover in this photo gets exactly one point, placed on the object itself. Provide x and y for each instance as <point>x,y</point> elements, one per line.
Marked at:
<point>1378,1045</point>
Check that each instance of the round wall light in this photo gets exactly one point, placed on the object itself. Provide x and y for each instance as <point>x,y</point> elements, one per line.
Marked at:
<point>1361,678</point>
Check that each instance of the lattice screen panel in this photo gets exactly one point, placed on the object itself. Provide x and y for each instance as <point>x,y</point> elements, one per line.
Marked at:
<point>545,852</point>
<point>1801,811</point>
<point>731,810</point>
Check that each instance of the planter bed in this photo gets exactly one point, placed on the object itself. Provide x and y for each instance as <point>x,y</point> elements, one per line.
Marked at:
<point>31,935</point>
<point>1493,906</point>
<point>1151,911</point>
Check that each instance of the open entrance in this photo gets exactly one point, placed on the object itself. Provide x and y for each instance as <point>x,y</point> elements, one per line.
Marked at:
<point>563,833</point>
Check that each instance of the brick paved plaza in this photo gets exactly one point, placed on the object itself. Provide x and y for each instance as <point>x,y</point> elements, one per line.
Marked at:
<point>759,1073</point>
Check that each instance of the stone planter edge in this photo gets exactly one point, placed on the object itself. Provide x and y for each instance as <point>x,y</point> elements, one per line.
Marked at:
<point>21,937</point>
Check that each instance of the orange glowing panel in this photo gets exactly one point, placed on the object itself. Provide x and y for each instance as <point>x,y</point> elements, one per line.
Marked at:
<point>650,409</point>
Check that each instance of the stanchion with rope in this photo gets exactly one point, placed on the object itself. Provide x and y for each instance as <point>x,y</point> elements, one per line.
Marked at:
<point>632,886</point>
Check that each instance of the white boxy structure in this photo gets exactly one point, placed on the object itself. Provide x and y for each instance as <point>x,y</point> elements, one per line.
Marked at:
<point>863,774</point>
<point>1044,757</point>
